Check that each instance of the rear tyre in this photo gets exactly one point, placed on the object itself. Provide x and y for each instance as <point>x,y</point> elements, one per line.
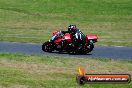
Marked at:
<point>91,46</point>
<point>47,47</point>
<point>88,48</point>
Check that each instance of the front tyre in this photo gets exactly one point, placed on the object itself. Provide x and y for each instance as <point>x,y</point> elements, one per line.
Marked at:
<point>47,47</point>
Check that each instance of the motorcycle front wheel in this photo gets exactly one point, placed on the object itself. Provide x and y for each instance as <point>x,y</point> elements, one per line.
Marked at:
<point>47,47</point>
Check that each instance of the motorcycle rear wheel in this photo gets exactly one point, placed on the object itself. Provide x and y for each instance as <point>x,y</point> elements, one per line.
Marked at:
<point>88,48</point>
<point>91,46</point>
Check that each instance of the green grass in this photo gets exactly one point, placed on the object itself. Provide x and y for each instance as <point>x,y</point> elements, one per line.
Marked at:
<point>25,71</point>
<point>35,20</point>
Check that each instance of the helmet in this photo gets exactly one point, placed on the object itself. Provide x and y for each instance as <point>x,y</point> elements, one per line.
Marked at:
<point>72,28</point>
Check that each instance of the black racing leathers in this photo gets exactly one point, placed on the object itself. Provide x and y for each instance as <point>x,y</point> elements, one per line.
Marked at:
<point>78,37</point>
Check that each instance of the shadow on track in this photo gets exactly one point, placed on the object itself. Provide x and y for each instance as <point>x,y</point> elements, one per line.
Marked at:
<point>56,52</point>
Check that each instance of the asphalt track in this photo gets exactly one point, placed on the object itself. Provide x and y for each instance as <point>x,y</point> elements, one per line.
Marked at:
<point>114,52</point>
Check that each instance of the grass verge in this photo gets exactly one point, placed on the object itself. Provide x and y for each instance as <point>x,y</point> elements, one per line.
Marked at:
<point>35,20</point>
<point>25,71</point>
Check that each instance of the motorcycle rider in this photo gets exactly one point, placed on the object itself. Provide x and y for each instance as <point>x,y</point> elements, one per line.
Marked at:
<point>78,37</point>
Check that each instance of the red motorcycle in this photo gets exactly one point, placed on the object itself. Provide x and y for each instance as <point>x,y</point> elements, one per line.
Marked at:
<point>63,43</point>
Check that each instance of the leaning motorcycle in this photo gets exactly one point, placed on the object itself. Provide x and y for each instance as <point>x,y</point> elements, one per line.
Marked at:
<point>63,43</point>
